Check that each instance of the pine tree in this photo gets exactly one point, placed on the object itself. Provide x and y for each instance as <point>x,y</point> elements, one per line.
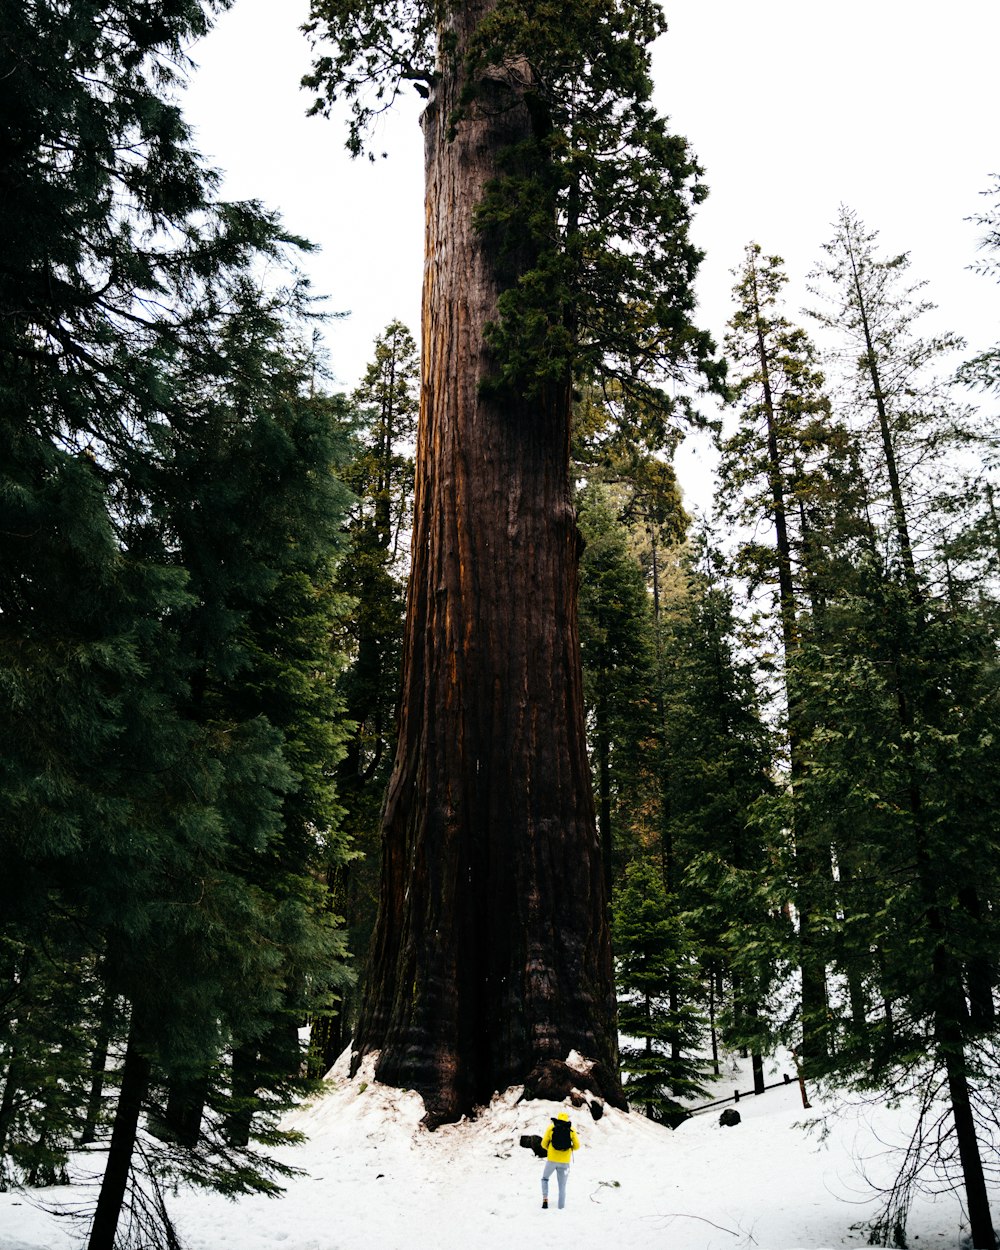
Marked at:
<point>898,769</point>
<point>169,721</point>
<point>246,492</point>
<point>788,466</point>
<point>724,876</point>
<point>656,966</point>
<point>898,679</point>
<point>913,433</point>
<point>975,547</point>
<point>80,624</point>
<point>379,470</point>
<point>244,945</point>
<point>616,639</point>
<point>983,370</point>
<point>45,1053</point>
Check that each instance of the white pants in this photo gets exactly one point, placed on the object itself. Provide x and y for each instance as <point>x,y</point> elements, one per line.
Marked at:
<point>562,1171</point>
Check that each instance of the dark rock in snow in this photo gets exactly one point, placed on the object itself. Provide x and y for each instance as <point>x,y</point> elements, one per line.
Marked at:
<point>533,1142</point>
<point>596,1109</point>
<point>729,1117</point>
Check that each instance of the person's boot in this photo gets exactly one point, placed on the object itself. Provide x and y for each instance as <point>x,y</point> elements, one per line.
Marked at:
<point>545,1204</point>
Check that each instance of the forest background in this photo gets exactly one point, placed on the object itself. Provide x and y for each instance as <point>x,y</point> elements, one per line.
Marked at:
<point>852,654</point>
<point>790,110</point>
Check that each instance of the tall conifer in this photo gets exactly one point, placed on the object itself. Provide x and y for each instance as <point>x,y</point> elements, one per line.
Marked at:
<point>169,724</point>
<point>779,471</point>
<point>902,628</point>
<point>379,470</point>
<point>557,250</point>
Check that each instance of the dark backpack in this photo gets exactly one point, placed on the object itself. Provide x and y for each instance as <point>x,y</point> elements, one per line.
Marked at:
<point>561,1139</point>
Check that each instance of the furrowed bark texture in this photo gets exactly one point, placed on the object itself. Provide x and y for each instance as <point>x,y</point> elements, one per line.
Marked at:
<point>491,956</point>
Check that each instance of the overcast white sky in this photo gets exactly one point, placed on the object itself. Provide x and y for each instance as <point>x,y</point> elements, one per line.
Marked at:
<point>792,106</point>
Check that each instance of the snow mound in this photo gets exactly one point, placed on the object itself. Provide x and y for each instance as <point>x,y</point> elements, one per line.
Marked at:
<point>472,1182</point>
<point>373,1178</point>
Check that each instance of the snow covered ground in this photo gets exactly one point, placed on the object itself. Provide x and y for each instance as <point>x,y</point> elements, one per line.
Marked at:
<point>783,1179</point>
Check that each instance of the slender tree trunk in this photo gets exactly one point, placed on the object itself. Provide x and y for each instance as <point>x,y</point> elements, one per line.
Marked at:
<point>184,1110</point>
<point>603,744</point>
<point>756,1058</point>
<point>674,1002</point>
<point>949,1008</point>
<point>885,433</point>
<point>803,1092</point>
<point>994,522</point>
<point>853,963</point>
<point>135,1082</point>
<point>859,1009</point>
<point>745,1008</point>
<point>810,861</point>
<point>950,1045</point>
<point>244,1083</point>
<point>11,1088</point>
<point>491,959</point>
<point>976,1197</point>
<point>98,1064</point>
<point>15,1065</point>
<point>981,971</point>
<point>890,1022</point>
<point>713,1033</point>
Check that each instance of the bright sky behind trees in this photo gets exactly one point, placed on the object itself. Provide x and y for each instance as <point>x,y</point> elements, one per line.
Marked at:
<point>888,106</point>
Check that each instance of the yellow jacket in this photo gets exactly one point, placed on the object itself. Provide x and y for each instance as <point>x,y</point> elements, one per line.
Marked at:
<point>560,1156</point>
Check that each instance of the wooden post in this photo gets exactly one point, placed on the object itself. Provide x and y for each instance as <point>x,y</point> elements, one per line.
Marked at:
<point>802,1083</point>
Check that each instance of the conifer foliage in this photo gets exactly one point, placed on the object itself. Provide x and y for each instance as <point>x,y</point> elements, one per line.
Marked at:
<point>680,757</point>
<point>372,572</point>
<point>843,827</point>
<point>657,1005</point>
<point>616,637</point>
<point>876,490</point>
<point>168,715</point>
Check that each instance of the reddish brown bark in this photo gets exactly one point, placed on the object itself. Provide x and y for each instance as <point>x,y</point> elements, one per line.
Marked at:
<point>491,957</point>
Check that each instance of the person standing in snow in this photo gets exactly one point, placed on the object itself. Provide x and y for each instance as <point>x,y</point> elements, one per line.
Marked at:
<point>559,1142</point>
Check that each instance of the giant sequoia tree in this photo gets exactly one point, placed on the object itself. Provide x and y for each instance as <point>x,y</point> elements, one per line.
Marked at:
<point>556,247</point>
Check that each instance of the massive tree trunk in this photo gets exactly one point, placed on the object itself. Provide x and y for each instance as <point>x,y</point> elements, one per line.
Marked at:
<point>491,958</point>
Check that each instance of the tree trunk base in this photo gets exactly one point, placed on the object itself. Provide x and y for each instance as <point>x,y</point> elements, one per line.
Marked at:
<point>555,1080</point>
<point>551,1080</point>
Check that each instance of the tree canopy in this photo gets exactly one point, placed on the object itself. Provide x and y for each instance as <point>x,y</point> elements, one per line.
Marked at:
<point>601,189</point>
